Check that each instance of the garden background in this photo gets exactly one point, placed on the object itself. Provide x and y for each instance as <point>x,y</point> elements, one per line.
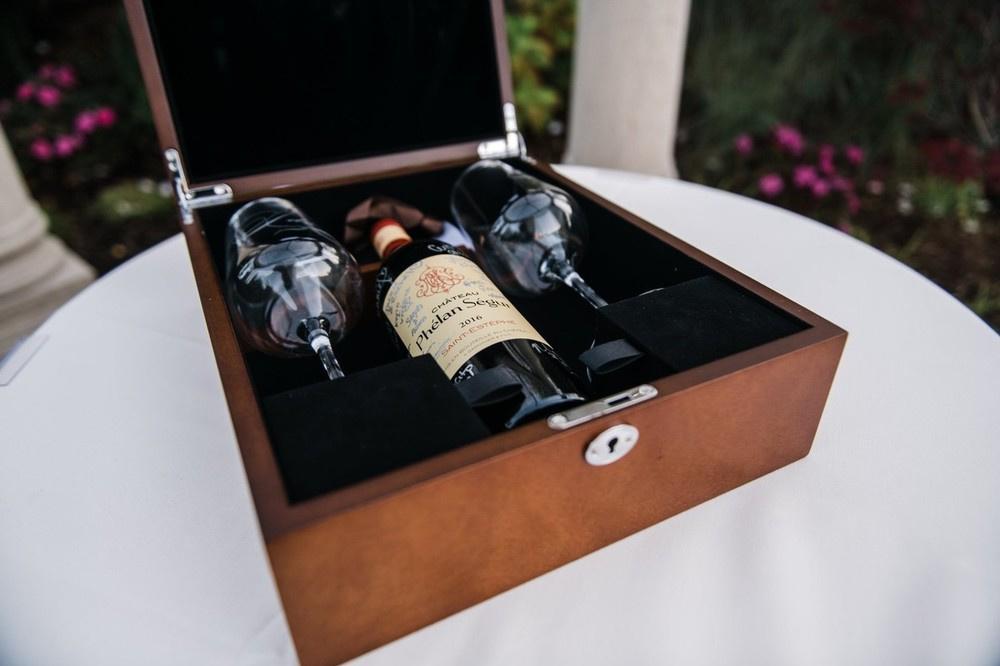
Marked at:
<point>880,118</point>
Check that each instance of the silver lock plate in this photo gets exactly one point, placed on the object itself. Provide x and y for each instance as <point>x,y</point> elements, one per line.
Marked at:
<point>611,445</point>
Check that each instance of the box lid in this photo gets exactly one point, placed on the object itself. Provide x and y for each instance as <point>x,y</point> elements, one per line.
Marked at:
<point>257,97</point>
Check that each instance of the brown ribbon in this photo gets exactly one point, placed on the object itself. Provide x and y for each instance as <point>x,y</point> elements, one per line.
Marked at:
<point>371,210</point>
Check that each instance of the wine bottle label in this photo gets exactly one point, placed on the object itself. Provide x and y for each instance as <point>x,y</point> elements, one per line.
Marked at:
<point>447,307</point>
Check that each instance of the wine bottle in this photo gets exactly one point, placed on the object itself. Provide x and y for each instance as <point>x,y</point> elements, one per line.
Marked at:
<point>437,301</point>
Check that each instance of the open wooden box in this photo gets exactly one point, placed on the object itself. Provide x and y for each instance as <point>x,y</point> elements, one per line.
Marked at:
<point>384,502</point>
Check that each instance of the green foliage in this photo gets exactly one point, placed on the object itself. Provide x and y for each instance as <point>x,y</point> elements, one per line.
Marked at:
<point>540,35</point>
<point>941,198</point>
<point>878,73</point>
<point>916,84</point>
<point>985,301</point>
<point>132,200</point>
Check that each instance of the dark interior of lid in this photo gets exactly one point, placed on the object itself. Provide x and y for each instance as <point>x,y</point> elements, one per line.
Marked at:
<point>262,85</point>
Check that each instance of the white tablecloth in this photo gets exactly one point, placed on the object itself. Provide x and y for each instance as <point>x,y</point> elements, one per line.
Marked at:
<point>127,532</point>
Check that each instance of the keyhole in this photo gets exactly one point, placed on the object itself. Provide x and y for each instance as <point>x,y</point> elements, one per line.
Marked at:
<point>611,445</point>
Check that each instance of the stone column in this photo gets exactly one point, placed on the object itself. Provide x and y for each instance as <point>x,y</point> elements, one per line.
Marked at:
<point>37,272</point>
<point>628,64</point>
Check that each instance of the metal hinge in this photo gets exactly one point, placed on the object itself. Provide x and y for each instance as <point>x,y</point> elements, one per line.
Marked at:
<point>512,145</point>
<point>189,199</point>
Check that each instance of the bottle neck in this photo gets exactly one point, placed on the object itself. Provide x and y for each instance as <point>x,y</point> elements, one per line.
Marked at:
<point>387,236</point>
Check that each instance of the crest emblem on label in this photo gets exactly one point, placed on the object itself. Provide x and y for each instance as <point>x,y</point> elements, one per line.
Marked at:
<point>437,280</point>
<point>445,306</point>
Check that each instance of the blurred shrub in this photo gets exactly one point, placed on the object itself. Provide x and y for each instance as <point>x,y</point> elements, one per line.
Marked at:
<point>883,73</point>
<point>75,112</point>
<point>912,86</point>
<point>58,127</point>
<point>540,35</point>
<point>133,200</point>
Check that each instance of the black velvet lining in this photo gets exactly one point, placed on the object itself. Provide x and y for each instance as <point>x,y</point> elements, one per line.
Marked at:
<point>694,316</point>
<point>332,434</point>
<point>698,321</point>
<point>261,85</point>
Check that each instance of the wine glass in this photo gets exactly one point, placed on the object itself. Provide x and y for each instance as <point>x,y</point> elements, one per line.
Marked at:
<point>531,235</point>
<point>292,288</point>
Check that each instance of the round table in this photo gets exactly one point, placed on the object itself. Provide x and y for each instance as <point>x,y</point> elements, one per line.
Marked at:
<point>128,536</point>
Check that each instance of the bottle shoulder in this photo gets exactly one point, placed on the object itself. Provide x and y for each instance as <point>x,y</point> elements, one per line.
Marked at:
<point>418,250</point>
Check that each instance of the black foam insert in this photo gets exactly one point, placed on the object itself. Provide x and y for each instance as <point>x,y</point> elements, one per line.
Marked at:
<point>698,321</point>
<point>335,433</point>
<point>263,85</point>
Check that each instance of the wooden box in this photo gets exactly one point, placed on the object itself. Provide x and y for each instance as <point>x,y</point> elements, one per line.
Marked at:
<point>375,526</point>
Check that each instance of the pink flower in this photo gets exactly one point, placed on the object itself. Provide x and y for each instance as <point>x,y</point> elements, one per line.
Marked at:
<point>41,149</point>
<point>841,184</point>
<point>48,96</point>
<point>67,144</point>
<point>826,154</point>
<point>743,144</point>
<point>65,76</point>
<point>771,185</point>
<point>820,188</point>
<point>105,116</point>
<point>854,154</point>
<point>853,203</point>
<point>46,71</point>
<point>789,139</point>
<point>876,187</point>
<point>804,175</point>
<point>25,91</point>
<point>86,122</point>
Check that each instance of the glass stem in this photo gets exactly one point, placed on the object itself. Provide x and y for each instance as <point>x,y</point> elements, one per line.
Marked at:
<point>319,340</point>
<point>561,270</point>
